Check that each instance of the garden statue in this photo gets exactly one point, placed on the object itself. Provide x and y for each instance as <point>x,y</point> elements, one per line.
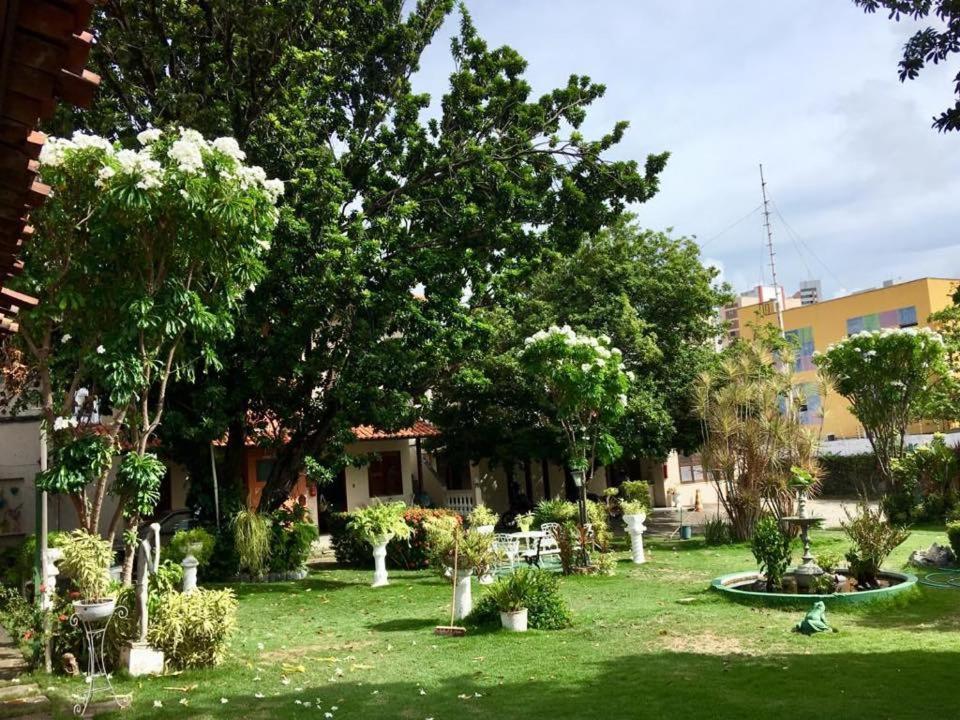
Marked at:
<point>50,572</point>
<point>814,621</point>
<point>138,657</point>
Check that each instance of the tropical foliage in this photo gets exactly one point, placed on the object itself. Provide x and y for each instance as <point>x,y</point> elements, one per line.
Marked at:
<point>86,561</point>
<point>753,434</point>
<point>873,538</point>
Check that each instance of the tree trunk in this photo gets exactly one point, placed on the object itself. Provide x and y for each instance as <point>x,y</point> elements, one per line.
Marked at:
<point>130,552</point>
<point>289,464</point>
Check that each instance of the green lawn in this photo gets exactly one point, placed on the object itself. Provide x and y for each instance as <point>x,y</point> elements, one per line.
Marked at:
<point>634,652</point>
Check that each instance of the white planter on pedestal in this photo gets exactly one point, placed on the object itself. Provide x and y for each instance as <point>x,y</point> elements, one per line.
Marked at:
<point>380,561</point>
<point>463,597</point>
<point>485,529</point>
<point>635,528</point>
<point>514,621</point>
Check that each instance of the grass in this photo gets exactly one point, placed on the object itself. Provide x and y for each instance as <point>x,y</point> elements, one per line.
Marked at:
<point>651,642</point>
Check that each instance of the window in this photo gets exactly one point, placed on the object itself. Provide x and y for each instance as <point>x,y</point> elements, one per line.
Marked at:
<point>802,341</point>
<point>385,475</point>
<point>691,470</point>
<point>900,318</point>
<point>456,475</point>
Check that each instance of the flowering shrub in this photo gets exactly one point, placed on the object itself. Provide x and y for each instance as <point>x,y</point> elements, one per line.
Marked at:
<point>586,385</point>
<point>291,535</point>
<point>139,260</point>
<point>414,553</point>
<point>891,378</point>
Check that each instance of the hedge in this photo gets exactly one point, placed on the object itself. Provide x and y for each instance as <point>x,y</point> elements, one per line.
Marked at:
<point>410,554</point>
<point>846,476</point>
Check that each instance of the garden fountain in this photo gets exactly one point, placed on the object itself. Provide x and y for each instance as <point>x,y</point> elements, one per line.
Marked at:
<point>807,572</point>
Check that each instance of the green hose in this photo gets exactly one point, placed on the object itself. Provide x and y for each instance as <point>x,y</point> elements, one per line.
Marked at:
<point>942,579</point>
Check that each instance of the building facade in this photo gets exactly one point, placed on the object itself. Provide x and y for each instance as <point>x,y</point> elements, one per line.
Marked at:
<point>813,327</point>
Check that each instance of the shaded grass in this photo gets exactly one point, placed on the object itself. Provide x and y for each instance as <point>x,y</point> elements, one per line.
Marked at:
<point>653,641</point>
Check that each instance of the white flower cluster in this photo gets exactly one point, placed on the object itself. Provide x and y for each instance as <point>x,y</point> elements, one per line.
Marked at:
<point>187,151</point>
<point>600,346</point>
<point>62,423</point>
<point>854,340</point>
<point>53,149</point>
<point>135,163</point>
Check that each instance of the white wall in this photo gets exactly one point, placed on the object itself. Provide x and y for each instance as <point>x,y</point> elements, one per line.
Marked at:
<point>358,485</point>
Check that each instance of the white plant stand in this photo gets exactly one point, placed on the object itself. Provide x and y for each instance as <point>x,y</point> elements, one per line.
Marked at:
<point>97,677</point>
<point>380,578</point>
<point>463,597</point>
<point>635,528</point>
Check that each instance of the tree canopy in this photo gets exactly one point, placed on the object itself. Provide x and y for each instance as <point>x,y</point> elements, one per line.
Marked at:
<point>932,44</point>
<point>647,291</point>
<point>397,207</point>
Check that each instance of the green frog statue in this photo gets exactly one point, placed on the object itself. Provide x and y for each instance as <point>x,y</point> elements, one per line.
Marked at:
<point>814,621</point>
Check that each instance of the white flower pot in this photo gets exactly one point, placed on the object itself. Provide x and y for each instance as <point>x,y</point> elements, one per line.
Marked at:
<point>463,596</point>
<point>380,561</point>
<point>635,528</point>
<point>514,621</point>
<point>485,529</point>
<point>486,579</point>
<point>90,612</point>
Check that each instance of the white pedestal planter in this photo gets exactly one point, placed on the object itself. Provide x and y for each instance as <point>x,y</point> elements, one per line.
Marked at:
<point>514,621</point>
<point>635,528</point>
<point>380,561</point>
<point>463,597</point>
<point>189,564</point>
<point>485,529</point>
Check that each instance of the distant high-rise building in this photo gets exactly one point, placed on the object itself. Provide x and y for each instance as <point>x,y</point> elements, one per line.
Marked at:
<point>809,292</point>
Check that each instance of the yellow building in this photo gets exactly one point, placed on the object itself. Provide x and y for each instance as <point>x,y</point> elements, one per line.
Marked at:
<point>814,327</point>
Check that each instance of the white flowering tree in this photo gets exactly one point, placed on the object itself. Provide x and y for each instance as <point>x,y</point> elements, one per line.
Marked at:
<point>891,378</point>
<point>585,389</point>
<point>139,260</point>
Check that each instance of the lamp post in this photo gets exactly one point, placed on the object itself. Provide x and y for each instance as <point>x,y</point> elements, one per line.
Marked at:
<point>578,476</point>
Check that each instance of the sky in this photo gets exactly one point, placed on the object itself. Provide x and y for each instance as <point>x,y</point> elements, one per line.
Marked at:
<point>862,188</point>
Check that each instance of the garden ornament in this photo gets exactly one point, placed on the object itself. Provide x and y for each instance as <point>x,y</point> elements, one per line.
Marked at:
<point>814,621</point>
<point>137,657</point>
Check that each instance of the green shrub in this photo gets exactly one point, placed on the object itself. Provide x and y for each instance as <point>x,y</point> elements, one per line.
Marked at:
<point>635,490</point>
<point>180,545</point>
<point>224,563</point>
<point>598,517</point>
<point>448,542</point>
<point>349,549</point>
<point>23,621</point>
<point>830,560</point>
<point>251,537</point>
<point>633,507</point>
<point>873,540</point>
<point>902,506</point>
<point>554,511</point>
<point>771,548</point>
<point>716,531</point>
<point>86,561</point>
<point>953,533</point>
<point>290,545</point>
<point>17,561</point>
<point>193,630</point>
<point>540,590</point>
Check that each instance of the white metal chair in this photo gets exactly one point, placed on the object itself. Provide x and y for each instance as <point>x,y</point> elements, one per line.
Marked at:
<point>508,547</point>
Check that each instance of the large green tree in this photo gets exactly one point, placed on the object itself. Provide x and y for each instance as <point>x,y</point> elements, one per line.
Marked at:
<point>649,292</point>
<point>932,44</point>
<point>387,192</point>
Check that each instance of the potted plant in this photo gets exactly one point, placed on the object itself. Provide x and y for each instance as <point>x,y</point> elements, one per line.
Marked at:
<point>86,561</point>
<point>470,551</point>
<point>482,519</point>
<point>801,480</point>
<point>511,596</point>
<point>524,522</point>
<point>634,513</point>
<point>378,524</point>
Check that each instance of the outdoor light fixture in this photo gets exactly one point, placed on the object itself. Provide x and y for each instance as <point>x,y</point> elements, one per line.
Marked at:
<point>577,476</point>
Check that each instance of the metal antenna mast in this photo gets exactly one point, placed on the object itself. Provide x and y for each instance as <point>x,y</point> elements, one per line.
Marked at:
<point>773,265</point>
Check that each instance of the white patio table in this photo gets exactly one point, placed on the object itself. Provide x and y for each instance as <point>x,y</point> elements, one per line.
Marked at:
<point>528,539</point>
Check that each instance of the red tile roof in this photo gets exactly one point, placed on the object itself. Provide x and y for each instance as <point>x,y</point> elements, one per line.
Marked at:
<point>420,429</point>
<point>43,47</point>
